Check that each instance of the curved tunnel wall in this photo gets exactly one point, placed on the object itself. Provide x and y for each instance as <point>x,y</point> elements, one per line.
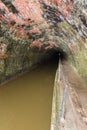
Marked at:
<point>55,53</point>
<point>21,58</point>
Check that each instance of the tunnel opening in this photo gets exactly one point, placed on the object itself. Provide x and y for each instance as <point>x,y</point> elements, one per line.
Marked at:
<point>52,57</point>
<point>56,54</point>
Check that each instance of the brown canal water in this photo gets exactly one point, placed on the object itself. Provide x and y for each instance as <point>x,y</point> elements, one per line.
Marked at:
<point>25,103</point>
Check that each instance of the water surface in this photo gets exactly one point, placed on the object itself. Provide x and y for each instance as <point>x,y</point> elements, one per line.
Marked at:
<point>25,103</point>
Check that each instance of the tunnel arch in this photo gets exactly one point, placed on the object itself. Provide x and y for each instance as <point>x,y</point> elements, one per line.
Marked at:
<point>61,52</point>
<point>57,53</point>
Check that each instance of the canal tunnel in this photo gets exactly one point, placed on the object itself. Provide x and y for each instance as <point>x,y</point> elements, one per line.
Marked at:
<point>56,53</point>
<point>27,95</point>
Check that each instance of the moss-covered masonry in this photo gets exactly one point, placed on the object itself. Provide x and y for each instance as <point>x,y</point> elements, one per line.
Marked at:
<point>29,31</point>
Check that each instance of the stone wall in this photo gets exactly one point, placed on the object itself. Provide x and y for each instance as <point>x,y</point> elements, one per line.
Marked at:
<point>29,31</point>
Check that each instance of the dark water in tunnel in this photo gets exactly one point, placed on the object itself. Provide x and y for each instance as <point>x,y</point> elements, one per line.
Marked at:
<point>25,103</point>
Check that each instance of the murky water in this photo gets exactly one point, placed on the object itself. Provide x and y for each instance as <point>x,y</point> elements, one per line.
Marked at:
<point>25,103</point>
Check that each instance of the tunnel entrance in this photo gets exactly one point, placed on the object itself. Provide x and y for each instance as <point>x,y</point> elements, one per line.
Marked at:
<point>55,54</point>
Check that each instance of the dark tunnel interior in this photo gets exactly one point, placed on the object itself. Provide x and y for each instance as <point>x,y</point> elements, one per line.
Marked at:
<point>52,57</point>
<point>56,54</point>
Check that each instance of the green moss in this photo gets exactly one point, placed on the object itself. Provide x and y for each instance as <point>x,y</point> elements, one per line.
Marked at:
<point>81,59</point>
<point>63,24</point>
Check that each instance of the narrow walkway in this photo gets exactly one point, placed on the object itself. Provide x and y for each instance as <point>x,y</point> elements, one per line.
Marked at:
<point>69,109</point>
<point>76,109</point>
<point>76,82</point>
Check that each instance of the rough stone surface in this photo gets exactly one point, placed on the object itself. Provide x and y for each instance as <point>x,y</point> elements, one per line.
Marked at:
<point>30,28</point>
